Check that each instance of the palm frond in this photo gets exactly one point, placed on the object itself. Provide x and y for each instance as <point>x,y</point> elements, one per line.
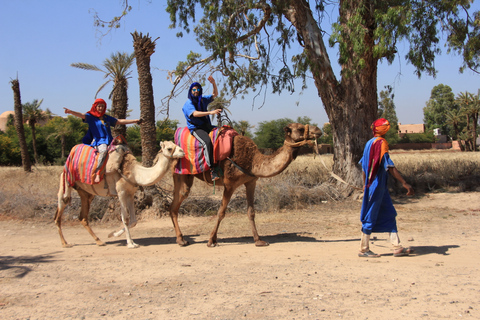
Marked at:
<point>86,66</point>
<point>101,87</point>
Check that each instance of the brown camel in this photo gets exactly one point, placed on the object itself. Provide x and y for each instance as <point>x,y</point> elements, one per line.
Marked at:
<point>122,183</point>
<point>247,164</point>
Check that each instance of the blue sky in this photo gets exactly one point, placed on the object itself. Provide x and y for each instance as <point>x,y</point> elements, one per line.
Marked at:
<point>40,39</point>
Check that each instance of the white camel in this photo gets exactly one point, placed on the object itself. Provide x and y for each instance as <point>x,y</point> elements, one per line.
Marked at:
<point>122,183</point>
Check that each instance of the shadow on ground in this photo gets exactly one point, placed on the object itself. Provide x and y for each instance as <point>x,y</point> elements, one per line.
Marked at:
<point>19,267</point>
<point>272,239</point>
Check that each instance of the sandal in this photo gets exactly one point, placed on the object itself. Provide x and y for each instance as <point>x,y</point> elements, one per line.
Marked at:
<point>403,253</point>
<point>368,254</point>
<point>214,174</point>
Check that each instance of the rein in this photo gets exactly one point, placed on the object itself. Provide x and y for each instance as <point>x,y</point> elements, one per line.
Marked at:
<point>240,168</point>
<point>303,142</point>
<point>127,179</point>
<point>173,151</point>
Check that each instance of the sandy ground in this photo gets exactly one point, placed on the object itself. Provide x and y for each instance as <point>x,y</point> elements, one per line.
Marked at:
<point>309,271</point>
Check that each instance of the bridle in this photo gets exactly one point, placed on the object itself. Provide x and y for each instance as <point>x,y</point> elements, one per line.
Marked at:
<point>173,151</point>
<point>303,142</point>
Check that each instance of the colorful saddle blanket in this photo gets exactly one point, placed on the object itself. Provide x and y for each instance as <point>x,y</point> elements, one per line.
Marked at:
<point>194,160</point>
<point>81,164</point>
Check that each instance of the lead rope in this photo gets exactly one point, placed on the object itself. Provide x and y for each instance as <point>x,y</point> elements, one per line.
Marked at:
<point>337,177</point>
<point>213,184</point>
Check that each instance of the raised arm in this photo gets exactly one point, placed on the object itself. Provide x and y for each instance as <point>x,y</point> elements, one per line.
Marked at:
<point>214,84</point>
<point>75,113</point>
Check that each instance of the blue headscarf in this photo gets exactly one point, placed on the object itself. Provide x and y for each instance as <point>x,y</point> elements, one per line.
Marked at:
<point>197,101</point>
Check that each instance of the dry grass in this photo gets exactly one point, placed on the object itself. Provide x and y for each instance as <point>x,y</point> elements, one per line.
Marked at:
<point>440,171</point>
<point>305,183</point>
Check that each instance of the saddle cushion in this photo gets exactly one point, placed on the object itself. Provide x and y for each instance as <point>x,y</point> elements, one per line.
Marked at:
<point>194,160</point>
<point>81,164</point>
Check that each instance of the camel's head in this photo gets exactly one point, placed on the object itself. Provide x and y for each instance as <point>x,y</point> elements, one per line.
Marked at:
<point>297,132</point>
<point>171,150</point>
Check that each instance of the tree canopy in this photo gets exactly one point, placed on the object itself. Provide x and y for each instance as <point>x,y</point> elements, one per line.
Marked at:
<point>386,110</point>
<point>260,45</point>
<point>271,134</point>
<point>442,100</point>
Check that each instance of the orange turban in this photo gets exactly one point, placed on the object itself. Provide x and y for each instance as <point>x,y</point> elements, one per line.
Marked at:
<point>94,112</point>
<point>378,148</point>
<point>380,127</point>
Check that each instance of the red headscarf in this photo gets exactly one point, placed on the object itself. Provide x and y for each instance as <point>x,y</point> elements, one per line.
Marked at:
<point>94,112</point>
<point>378,148</point>
<point>380,127</point>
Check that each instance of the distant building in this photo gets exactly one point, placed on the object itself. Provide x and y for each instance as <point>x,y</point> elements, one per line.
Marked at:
<point>410,128</point>
<point>4,118</point>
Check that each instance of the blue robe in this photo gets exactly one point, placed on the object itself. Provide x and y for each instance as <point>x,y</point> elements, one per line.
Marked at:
<point>99,131</point>
<point>378,213</point>
<point>198,122</point>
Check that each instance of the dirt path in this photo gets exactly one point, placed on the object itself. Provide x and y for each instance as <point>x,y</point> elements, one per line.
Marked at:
<point>310,270</point>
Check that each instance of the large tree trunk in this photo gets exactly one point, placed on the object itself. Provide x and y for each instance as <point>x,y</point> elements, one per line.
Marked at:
<point>120,105</point>
<point>144,48</point>
<point>27,165</point>
<point>351,104</point>
<point>34,141</point>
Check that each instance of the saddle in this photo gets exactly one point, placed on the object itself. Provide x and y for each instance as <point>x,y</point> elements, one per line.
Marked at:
<point>83,161</point>
<point>194,160</point>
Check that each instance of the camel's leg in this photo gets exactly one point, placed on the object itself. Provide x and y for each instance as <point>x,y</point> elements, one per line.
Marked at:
<point>227,195</point>
<point>126,201</point>
<point>132,221</point>
<point>63,200</point>
<point>250,189</point>
<point>86,199</point>
<point>181,189</point>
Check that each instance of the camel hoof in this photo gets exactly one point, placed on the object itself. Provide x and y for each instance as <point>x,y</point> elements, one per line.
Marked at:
<point>212,244</point>
<point>133,246</point>
<point>101,244</point>
<point>66,245</point>
<point>261,243</point>
<point>183,243</point>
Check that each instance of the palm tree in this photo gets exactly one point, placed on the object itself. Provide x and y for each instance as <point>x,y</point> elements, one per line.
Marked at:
<point>117,69</point>
<point>32,114</point>
<point>472,112</point>
<point>144,47</point>
<point>454,118</point>
<point>27,164</point>
<point>242,127</point>
<point>63,128</point>
<point>470,109</point>
<point>463,99</point>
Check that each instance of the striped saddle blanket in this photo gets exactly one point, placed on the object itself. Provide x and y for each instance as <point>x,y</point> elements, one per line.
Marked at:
<point>81,164</point>
<point>194,160</point>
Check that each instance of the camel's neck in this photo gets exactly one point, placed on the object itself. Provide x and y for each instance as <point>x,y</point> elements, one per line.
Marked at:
<point>270,165</point>
<point>147,176</point>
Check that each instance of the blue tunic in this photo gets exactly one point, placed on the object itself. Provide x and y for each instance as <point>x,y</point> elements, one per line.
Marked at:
<point>197,122</point>
<point>99,130</point>
<point>378,213</point>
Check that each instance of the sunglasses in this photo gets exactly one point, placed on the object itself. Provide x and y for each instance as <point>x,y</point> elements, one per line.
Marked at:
<point>195,90</point>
